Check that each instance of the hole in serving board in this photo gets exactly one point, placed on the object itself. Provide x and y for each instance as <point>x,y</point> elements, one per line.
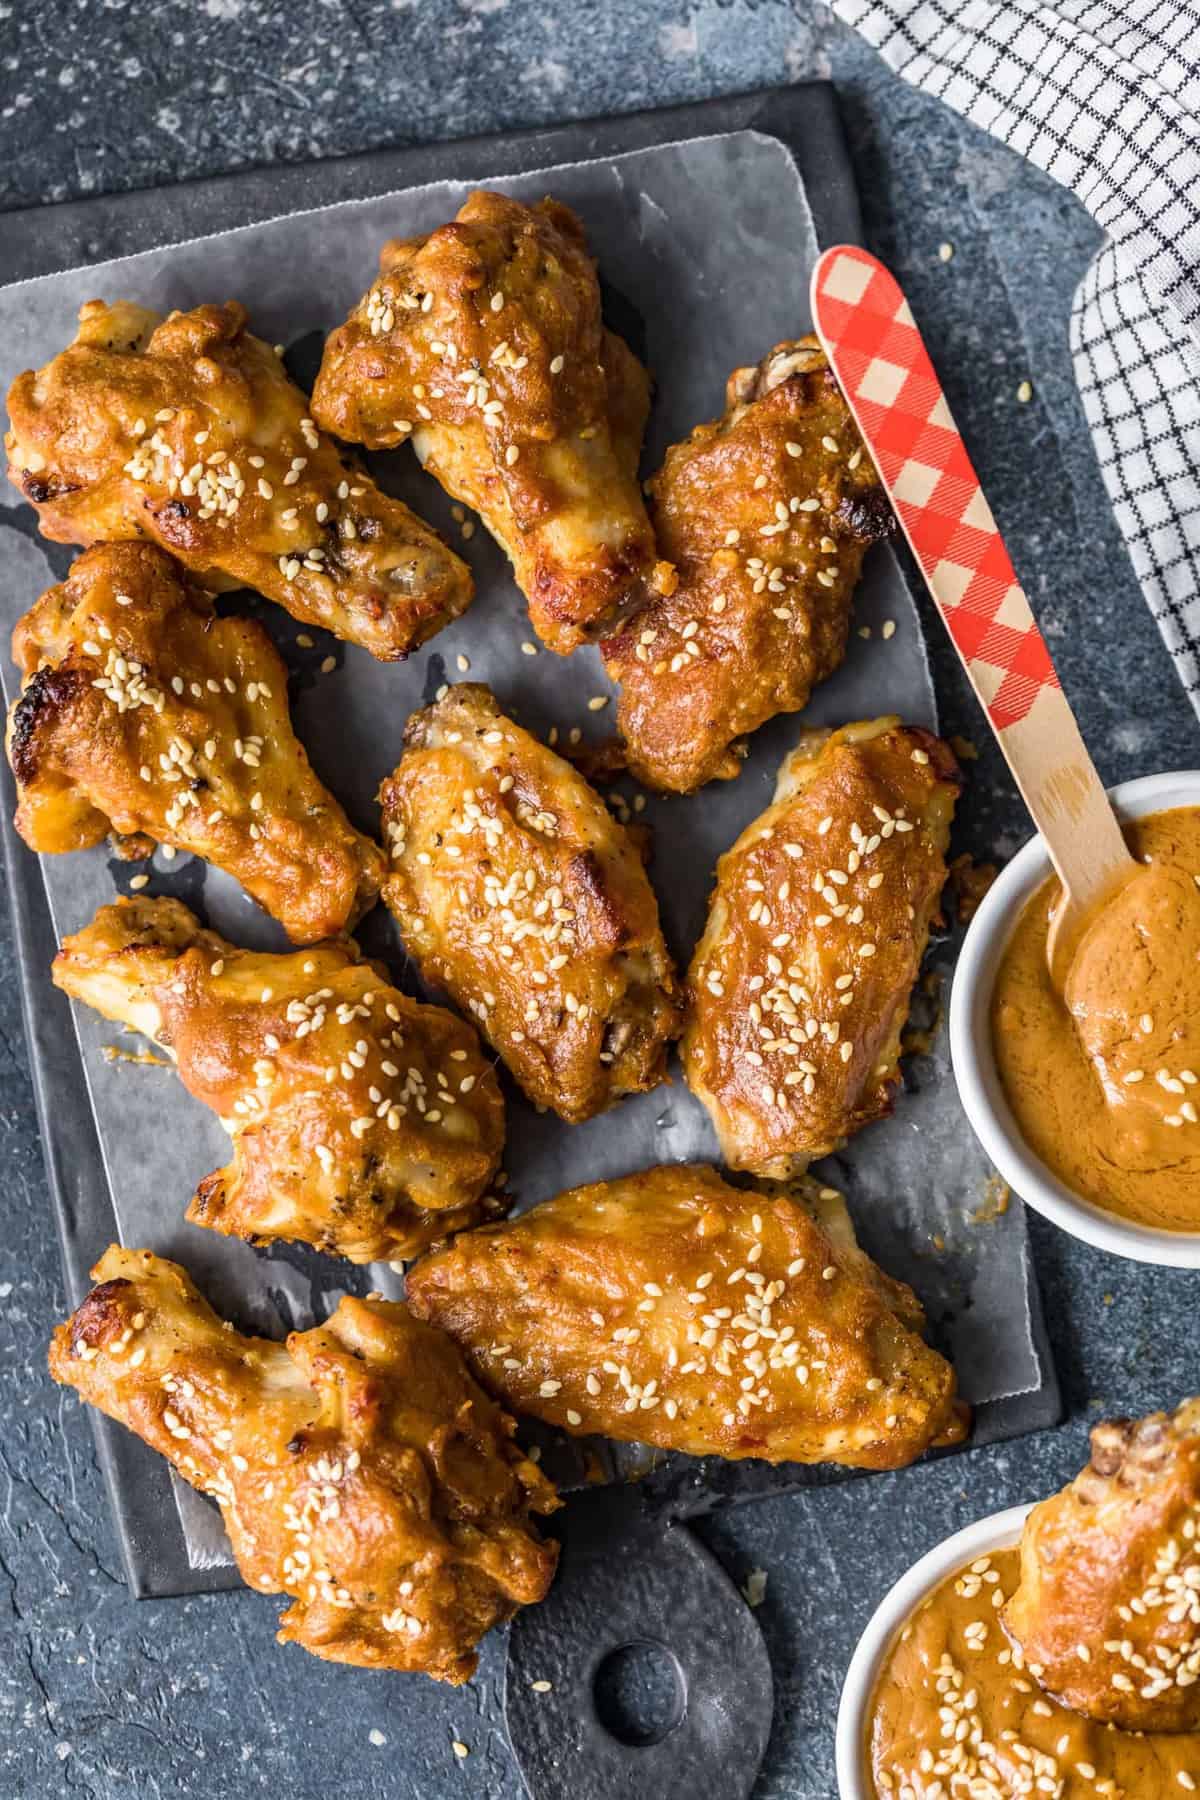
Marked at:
<point>640,1693</point>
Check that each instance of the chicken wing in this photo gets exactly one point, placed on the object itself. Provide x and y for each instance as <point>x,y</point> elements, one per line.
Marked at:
<point>362,1122</point>
<point>142,712</point>
<point>671,1309</point>
<point>821,912</point>
<point>483,343</point>
<point>358,1467</point>
<point>188,431</point>
<point>766,514</point>
<point>516,890</point>
<point>1107,1612</point>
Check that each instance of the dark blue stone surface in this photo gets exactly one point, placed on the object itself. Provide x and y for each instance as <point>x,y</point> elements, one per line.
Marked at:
<point>105,1698</point>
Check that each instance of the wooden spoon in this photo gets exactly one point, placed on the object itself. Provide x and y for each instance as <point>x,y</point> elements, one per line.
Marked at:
<point>884,371</point>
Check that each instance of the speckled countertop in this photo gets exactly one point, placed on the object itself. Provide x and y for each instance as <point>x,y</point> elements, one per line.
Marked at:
<point>107,1698</point>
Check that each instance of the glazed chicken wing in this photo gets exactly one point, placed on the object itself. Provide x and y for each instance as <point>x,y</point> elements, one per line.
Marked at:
<point>819,919</point>
<point>188,431</point>
<point>517,891</point>
<point>358,1467</point>
<point>766,515</point>
<point>483,343</point>
<point>671,1309</point>
<point>362,1122</point>
<point>143,713</point>
<point>1107,1613</point>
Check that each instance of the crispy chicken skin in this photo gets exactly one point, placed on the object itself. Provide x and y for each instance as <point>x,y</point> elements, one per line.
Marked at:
<point>483,343</point>
<point>517,891</point>
<point>358,1467</point>
<point>188,431</point>
<point>141,712</point>
<point>671,1309</point>
<point>1112,1564</point>
<point>362,1122</point>
<point>766,514</point>
<point>819,919</point>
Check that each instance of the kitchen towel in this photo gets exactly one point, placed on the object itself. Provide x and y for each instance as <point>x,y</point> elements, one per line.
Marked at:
<point>1105,96</point>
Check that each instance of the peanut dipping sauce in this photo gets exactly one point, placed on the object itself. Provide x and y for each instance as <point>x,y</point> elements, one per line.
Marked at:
<point>957,1716</point>
<point>1104,1081</point>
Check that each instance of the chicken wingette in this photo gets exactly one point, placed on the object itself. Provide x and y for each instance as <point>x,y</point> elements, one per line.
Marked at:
<point>672,1309</point>
<point>363,1122</point>
<point>143,714</point>
<point>517,891</point>
<point>483,345</point>
<point>766,515</point>
<point>187,430</point>
<point>801,982</point>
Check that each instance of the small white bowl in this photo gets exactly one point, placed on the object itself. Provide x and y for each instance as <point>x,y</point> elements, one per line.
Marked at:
<point>975,1068</point>
<point>998,1532</point>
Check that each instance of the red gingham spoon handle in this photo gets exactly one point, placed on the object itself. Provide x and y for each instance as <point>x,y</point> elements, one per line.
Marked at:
<point>891,387</point>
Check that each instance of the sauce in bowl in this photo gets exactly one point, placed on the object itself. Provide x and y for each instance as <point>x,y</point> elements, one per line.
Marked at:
<point>956,1713</point>
<point>1103,1081</point>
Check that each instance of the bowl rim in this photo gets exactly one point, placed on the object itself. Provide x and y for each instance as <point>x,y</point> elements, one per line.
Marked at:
<point>998,1531</point>
<point>975,1072</point>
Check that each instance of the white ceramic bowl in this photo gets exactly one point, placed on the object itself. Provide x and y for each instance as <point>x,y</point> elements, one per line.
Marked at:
<point>998,1532</point>
<point>975,1069</point>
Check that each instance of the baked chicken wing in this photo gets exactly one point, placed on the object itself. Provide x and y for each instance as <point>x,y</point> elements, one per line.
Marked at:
<point>800,984</point>
<point>1107,1612</point>
<point>358,1467</point>
<point>143,713</point>
<point>672,1309</point>
<point>362,1122</point>
<point>187,430</point>
<point>766,514</point>
<point>517,891</point>
<point>483,343</point>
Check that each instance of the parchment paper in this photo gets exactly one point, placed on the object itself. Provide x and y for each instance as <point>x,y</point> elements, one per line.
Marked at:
<point>705,249</point>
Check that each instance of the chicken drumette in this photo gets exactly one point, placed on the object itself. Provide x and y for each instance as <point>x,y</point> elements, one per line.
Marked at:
<point>671,1309</point>
<point>516,890</point>
<point>483,343</point>
<point>819,919</point>
<point>362,1122</point>
<point>766,515</point>
<point>187,430</point>
<point>1107,1613</point>
<point>358,1467</point>
<point>143,713</point>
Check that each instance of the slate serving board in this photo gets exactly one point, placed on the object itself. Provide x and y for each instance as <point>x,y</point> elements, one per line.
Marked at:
<point>99,1127</point>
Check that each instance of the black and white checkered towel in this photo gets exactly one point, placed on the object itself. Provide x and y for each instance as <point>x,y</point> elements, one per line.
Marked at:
<point>1105,96</point>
